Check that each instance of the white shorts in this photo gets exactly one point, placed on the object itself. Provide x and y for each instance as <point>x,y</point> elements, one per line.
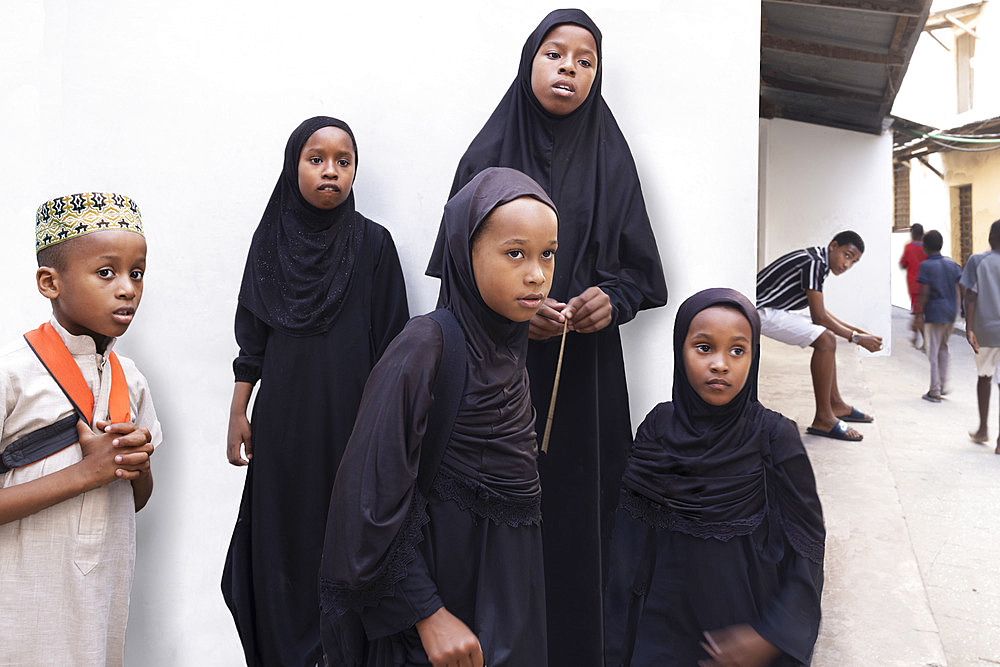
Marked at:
<point>987,362</point>
<point>793,328</point>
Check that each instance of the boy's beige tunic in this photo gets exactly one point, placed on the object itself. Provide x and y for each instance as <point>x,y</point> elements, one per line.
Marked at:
<point>66,572</point>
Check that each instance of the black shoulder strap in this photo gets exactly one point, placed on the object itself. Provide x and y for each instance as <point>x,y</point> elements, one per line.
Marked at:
<point>449,385</point>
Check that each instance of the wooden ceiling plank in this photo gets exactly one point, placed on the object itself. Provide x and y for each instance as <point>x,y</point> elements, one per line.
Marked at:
<point>912,8</point>
<point>772,81</point>
<point>773,42</point>
<point>897,36</point>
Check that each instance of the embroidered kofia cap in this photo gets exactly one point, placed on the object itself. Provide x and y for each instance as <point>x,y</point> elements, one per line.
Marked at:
<point>65,218</point>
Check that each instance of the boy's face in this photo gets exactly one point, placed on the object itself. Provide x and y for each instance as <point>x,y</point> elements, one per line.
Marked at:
<point>564,68</point>
<point>843,257</point>
<point>97,291</point>
<point>326,168</point>
<point>514,257</point>
<point>718,354</point>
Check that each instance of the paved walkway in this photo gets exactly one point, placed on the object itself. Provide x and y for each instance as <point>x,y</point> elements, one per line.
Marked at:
<point>913,534</point>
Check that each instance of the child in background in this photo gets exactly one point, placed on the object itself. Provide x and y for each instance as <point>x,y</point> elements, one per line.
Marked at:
<point>913,255</point>
<point>322,296</point>
<point>984,382</point>
<point>554,125</point>
<point>76,432</point>
<point>719,538</point>
<point>982,323</point>
<point>453,578</point>
<point>937,307</point>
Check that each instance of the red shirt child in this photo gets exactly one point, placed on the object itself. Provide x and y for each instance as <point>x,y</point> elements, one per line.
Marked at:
<point>913,255</point>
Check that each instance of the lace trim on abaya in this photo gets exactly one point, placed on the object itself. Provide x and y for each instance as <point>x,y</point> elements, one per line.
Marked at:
<point>806,546</point>
<point>337,597</point>
<point>472,496</point>
<point>658,517</point>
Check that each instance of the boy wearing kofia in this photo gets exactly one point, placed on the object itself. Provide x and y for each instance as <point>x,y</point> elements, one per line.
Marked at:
<point>77,428</point>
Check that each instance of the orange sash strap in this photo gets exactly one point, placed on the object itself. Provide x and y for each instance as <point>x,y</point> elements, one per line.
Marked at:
<point>50,349</point>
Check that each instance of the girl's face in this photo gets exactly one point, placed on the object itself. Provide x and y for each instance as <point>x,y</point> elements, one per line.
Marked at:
<point>326,168</point>
<point>513,256</point>
<point>564,68</point>
<point>717,354</point>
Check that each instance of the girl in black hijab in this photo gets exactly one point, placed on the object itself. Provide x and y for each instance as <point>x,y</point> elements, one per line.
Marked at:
<point>322,296</point>
<point>554,125</point>
<point>454,577</point>
<point>717,554</point>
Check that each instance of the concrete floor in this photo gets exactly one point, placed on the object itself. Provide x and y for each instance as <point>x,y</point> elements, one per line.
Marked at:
<point>913,535</point>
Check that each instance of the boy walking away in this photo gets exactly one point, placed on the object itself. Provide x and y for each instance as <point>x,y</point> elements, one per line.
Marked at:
<point>982,322</point>
<point>77,427</point>
<point>793,282</point>
<point>937,306</point>
<point>981,434</point>
<point>913,255</point>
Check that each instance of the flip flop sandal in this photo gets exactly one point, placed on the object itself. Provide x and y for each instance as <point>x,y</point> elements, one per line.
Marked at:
<point>931,397</point>
<point>856,416</point>
<point>838,432</point>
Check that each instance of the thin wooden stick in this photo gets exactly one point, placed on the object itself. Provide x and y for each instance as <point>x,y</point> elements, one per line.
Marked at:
<point>555,389</point>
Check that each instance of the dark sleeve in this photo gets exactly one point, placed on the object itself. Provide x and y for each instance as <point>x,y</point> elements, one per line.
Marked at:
<point>790,620</point>
<point>638,282</point>
<point>389,307</point>
<point>414,599</point>
<point>251,336</point>
<point>922,274</point>
<point>371,562</point>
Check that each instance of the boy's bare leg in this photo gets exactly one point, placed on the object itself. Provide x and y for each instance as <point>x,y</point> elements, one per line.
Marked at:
<point>823,367</point>
<point>839,406</point>
<point>983,399</point>
<point>997,449</point>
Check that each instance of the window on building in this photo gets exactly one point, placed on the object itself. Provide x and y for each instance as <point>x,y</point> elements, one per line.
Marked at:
<point>961,221</point>
<point>901,188</point>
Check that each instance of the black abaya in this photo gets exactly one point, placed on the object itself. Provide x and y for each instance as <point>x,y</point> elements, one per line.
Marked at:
<point>312,351</point>
<point>719,524</point>
<point>393,557</point>
<point>605,240</point>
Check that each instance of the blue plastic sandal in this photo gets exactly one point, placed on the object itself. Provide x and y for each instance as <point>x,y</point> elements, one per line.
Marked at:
<point>838,432</point>
<point>856,416</point>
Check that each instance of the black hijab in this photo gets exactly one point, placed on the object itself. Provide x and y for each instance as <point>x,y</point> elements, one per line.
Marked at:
<point>496,405</point>
<point>301,259</point>
<point>495,344</point>
<point>373,525</point>
<point>584,163</point>
<point>708,465</point>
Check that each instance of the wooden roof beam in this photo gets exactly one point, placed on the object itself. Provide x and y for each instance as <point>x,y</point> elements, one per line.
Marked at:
<point>772,81</point>
<point>961,26</point>
<point>968,14</point>
<point>829,51</point>
<point>912,8</point>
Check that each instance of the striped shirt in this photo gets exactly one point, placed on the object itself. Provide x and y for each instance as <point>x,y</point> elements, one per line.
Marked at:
<point>783,283</point>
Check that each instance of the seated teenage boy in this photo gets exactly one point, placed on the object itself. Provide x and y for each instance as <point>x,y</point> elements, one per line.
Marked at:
<point>793,282</point>
<point>77,427</point>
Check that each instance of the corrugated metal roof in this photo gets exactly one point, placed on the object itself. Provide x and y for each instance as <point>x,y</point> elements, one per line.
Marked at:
<point>836,62</point>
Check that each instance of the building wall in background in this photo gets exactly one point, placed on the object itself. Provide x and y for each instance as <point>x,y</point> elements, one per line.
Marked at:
<point>186,106</point>
<point>820,181</point>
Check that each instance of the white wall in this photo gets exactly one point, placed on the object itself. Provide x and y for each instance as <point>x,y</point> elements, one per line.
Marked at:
<point>819,181</point>
<point>186,106</point>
